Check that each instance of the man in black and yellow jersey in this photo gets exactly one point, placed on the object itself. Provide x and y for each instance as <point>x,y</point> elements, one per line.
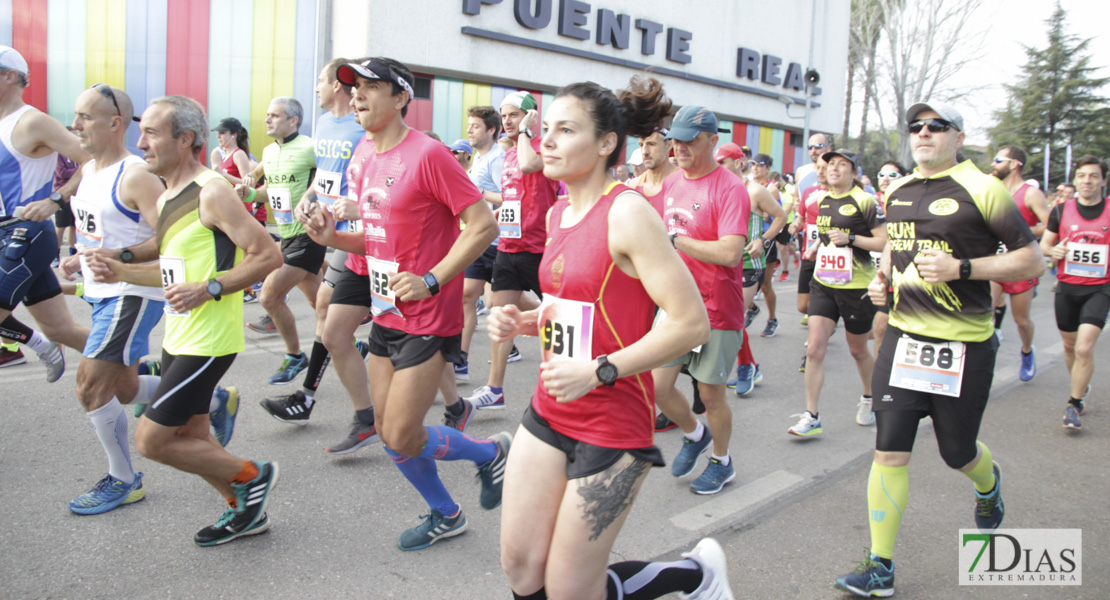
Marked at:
<point>849,228</point>
<point>944,224</point>
<point>289,167</point>
<point>207,253</point>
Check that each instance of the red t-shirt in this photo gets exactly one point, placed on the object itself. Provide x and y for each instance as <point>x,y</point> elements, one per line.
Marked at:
<point>535,193</point>
<point>710,208</point>
<point>410,198</point>
<point>587,297</point>
<point>811,206</point>
<point>356,263</point>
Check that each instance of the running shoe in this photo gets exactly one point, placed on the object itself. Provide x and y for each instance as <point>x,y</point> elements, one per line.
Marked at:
<point>363,349</point>
<point>249,296</point>
<point>361,435</point>
<point>434,528</point>
<point>989,508</point>
<point>54,360</point>
<point>785,276</point>
<point>687,458</point>
<point>757,377</point>
<point>514,355</point>
<point>265,326</point>
<point>252,497</point>
<point>368,319</point>
<point>802,367</point>
<point>750,315</point>
<point>998,334</point>
<point>492,474</point>
<point>485,399</point>
<point>870,579</point>
<point>108,494</point>
<point>714,567</point>
<point>147,367</point>
<point>662,423</point>
<point>481,310</point>
<point>1028,365</point>
<point>231,525</point>
<point>714,477</point>
<point>1071,417</point>
<point>462,372</point>
<point>223,418</point>
<point>289,369</point>
<point>9,358</point>
<point>462,421</point>
<point>771,328</point>
<point>805,320</point>
<point>864,415</point>
<point>293,408</point>
<point>807,425</point>
<point>744,381</point>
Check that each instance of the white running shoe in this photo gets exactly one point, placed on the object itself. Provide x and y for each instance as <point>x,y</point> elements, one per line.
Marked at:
<point>864,415</point>
<point>714,567</point>
<point>807,425</point>
<point>485,399</point>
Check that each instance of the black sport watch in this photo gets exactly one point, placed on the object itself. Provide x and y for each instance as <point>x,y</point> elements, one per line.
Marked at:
<point>965,269</point>
<point>56,198</point>
<point>215,288</point>
<point>126,256</point>
<point>606,371</point>
<point>432,283</point>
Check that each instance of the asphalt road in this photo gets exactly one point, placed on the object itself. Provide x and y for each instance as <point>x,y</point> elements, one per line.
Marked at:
<point>793,520</point>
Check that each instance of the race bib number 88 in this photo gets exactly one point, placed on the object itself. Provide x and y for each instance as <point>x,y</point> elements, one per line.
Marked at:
<point>937,368</point>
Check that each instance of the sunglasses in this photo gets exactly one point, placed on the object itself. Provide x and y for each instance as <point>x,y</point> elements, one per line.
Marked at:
<point>106,91</point>
<point>760,163</point>
<point>890,175</point>
<point>934,125</point>
<point>816,147</point>
<point>999,161</point>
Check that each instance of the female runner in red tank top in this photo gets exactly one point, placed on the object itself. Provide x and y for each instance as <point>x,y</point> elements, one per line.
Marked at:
<point>585,444</point>
<point>236,150</point>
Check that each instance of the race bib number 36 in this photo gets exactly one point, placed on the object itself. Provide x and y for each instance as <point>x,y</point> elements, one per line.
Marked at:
<point>382,299</point>
<point>281,202</point>
<point>508,219</point>
<point>173,271</point>
<point>1086,260</point>
<point>566,329</point>
<point>937,368</point>
<point>834,265</point>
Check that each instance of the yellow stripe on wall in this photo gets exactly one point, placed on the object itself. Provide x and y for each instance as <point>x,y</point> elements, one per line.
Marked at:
<point>765,140</point>
<point>474,94</point>
<point>106,42</point>
<point>272,56</point>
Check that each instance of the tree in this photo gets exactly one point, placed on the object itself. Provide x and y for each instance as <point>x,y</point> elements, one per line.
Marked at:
<point>1057,101</point>
<point>864,35</point>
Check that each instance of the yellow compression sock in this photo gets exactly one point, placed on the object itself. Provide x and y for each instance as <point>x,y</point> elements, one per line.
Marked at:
<point>10,346</point>
<point>888,489</point>
<point>983,473</point>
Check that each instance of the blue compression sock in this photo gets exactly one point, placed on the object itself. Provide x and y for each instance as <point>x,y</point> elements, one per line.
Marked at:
<point>448,443</point>
<point>421,473</point>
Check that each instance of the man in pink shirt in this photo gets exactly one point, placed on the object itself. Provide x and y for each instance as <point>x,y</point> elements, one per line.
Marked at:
<point>706,210</point>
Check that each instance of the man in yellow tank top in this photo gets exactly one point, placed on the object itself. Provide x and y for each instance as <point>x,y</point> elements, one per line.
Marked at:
<point>207,253</point>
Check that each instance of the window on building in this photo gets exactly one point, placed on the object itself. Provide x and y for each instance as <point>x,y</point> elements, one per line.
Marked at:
<point>423,88</point>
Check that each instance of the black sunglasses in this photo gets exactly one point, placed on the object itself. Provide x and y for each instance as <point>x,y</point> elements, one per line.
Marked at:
<point>934,125</point>
<point>106,91</point>
<point>816,147</point>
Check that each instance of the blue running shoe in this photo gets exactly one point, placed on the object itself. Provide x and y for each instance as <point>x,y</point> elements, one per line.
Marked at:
<point>291,366</point>
<point>989,509</point>
<point>687,457</point>
<point>107,494</point>
<point>757,377</point>
<point>870,579</point>
<point>434,528</point>
<point>1071,416</point>
<point>745,380</point>
<point>462,372</point>
<point>715,476</point>
<point>1028,365</point>
<point>363,349</point>
<point>252,497</point>
<point>223,418</point>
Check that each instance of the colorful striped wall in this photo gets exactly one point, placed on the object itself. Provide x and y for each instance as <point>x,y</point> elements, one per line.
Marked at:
<point>232,56</point>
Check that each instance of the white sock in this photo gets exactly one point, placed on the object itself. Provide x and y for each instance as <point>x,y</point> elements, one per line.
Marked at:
<point>110,424</point>
<point>697,434</point>
<point>148,384</point>
<point>309,400</point>
<point>725,460</point>
<point>214,403</point>
<point>38,343</point>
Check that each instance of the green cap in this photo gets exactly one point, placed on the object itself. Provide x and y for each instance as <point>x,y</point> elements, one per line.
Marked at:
<point>522,100</point>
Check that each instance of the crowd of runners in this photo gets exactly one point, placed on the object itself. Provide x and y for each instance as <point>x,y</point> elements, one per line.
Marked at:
<point>629,275</point>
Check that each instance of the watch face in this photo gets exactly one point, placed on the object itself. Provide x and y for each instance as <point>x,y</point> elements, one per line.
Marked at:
<point>607,373</point>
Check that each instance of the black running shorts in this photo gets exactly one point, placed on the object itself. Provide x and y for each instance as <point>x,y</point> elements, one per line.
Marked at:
<point>584,459</point>
<point>1078,304</point>
<point>852,305</point>
<point>406,350</point>
<point>186,387</point>
<point>301,252</point>
<point>516,271</point>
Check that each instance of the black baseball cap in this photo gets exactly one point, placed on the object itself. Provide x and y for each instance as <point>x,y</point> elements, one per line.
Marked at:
<point>842,153</point>
<point>229,124</point>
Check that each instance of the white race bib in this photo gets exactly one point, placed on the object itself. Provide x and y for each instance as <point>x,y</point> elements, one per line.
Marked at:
<point>936,368</point>
<point>87,222</point>
<point>281,202</point>
<point>660,316</point>
<point>813,235</point>
<point>566,329</point>
<point>382,299</point>
<point>173,271</point>
<point>328,184</point>
<point>508,219</point>
<point>834,265</point>
<point>1083,260</point>
<point>877,259</point>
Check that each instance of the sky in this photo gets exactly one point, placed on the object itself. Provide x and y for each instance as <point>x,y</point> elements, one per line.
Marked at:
<point>1011,23</point>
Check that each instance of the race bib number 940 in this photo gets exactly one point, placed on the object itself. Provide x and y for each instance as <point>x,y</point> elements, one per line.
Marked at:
<point>937,368</point>
<point>834,265</point>
<point>566,329</point>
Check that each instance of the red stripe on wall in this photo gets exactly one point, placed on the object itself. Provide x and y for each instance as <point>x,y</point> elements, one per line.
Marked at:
<point>187,49</point>
<point>29,38</point>
<point>788,153</point>
<point>740,133</point>
<point>419,114</point>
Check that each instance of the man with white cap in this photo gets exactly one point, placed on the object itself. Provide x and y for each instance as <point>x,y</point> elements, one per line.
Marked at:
<point>706,209</point>
<point>937,357</point>
<point>526,196</point>
<point>31,141</point>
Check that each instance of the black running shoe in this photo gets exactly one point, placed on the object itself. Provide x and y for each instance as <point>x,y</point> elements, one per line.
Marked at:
<point>288,409</point>
<point>492,474</point>
<point>230,526</point>
<point>662,423</point>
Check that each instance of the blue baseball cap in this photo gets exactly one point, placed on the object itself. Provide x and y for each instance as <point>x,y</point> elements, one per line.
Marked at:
<point>461,146</point>
<point>690,121</point>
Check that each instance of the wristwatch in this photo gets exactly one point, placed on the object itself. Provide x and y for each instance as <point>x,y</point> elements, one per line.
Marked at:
<point>851,238</point>
<point>215,288</point>
<point>432,283</point>
<point>56,198</point>
<point>126,256</point>
<point>606,371</point>
<point>673,236</point>
<point>965,269</point>
<point>766,243</point>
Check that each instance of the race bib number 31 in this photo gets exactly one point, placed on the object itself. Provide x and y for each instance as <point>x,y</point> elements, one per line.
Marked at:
<point>173,271</point>
<point>834,265</point>
<point>382,299</point>
<point>937,368</point>
<point>566,329</point>
<point>1086,260</point>
<point>508,219</point>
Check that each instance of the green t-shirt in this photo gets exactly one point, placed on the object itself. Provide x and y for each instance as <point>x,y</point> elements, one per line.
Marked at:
<point>289,169</point>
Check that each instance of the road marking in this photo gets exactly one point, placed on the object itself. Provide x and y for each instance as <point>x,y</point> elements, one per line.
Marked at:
<point>731,502</point>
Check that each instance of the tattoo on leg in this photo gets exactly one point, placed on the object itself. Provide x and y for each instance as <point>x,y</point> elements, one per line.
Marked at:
<point>608,494</point>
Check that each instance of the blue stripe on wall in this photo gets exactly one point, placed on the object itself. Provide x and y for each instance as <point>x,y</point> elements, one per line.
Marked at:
<point>6,22</point>
<point>65,51</point>
<point>304,63</point>
<point>145,70</point>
